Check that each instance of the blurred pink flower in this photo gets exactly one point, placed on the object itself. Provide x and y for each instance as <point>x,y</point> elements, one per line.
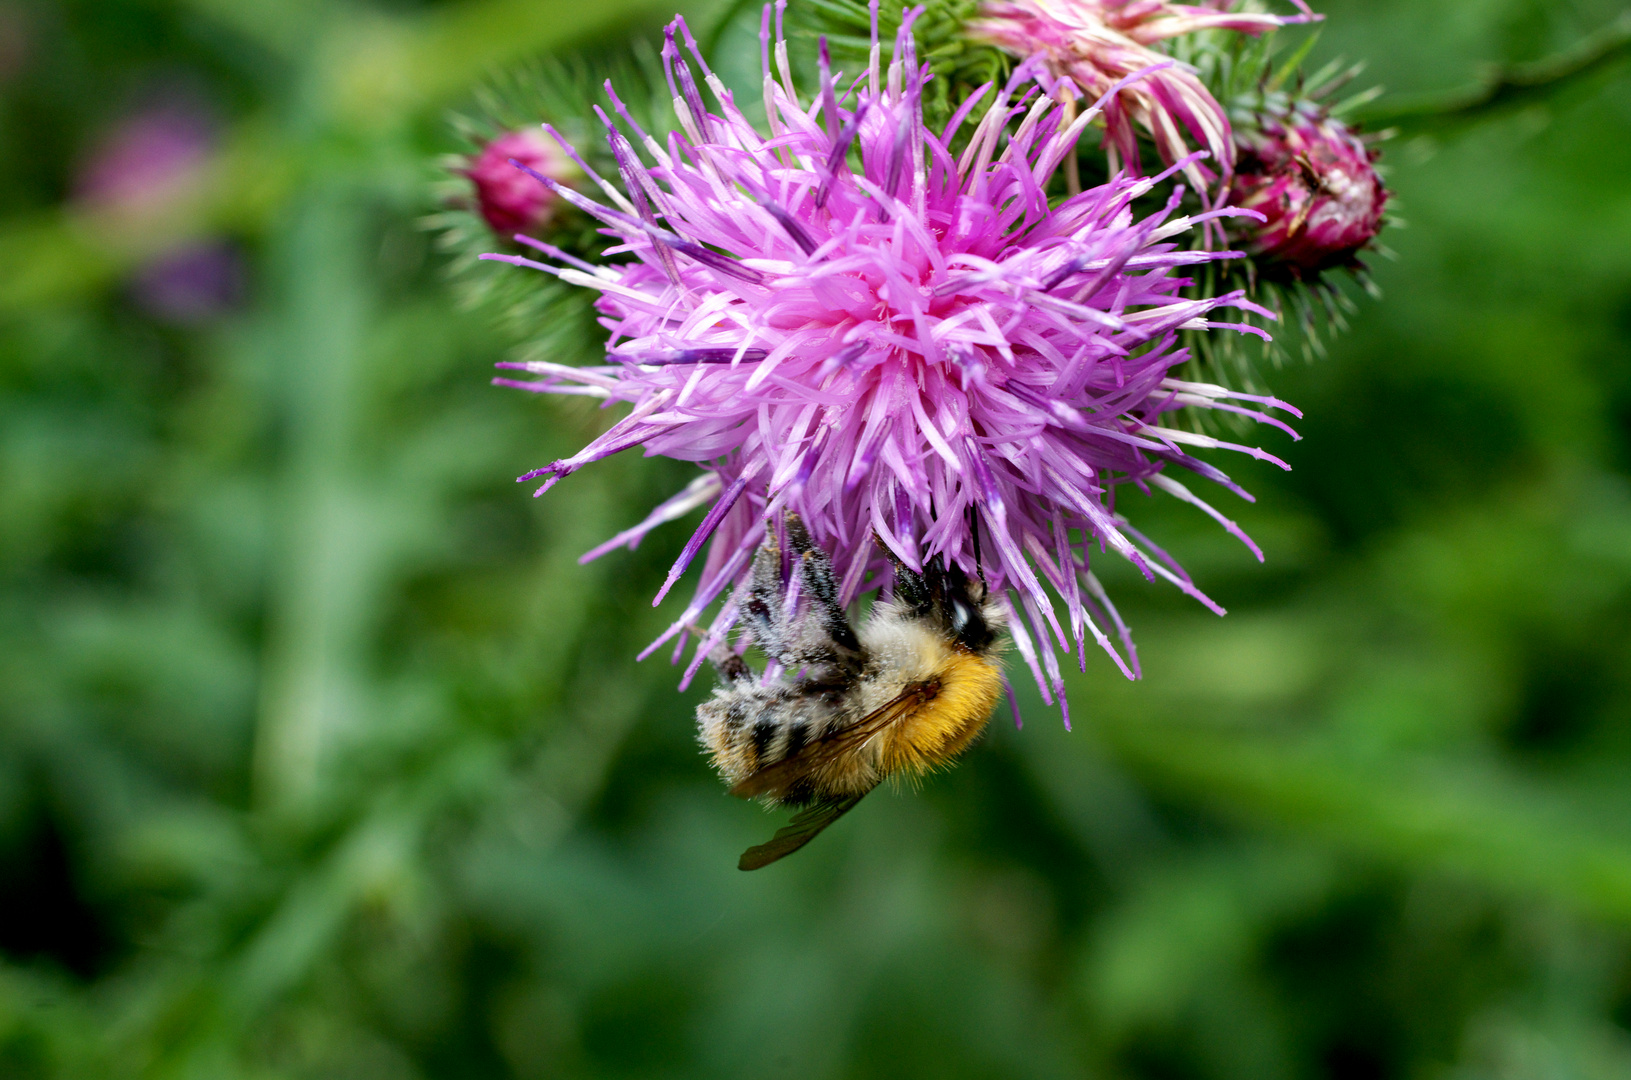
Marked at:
<point>1096,43</point>
<point>510,201</point>
<point>147,163</point>
<point>904,346</point>
<point>142,179</point>
<point>1316,185</point>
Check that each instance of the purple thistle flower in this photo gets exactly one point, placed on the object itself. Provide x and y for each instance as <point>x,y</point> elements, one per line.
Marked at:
<point>1097,43</point>
<point>847,320</point>
<point>1316,185</point>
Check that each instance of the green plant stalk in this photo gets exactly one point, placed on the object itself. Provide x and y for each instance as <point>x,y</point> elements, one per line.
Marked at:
<point>1505,88</point>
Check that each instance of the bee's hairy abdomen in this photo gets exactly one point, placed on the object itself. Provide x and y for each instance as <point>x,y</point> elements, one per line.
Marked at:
<point>748,728</point>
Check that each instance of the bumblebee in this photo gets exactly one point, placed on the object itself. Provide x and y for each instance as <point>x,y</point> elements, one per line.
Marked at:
<point>905,695</point>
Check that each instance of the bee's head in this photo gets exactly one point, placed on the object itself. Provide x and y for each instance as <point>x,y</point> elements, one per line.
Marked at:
<point>945,595</point>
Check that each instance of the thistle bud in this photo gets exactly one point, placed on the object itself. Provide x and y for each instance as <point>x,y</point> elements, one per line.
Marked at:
<point>509,200</point>
<point>1316,183</point>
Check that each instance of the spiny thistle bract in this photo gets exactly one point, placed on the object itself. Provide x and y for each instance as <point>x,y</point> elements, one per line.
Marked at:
<point>1317,182</point>
<point>843,319</point>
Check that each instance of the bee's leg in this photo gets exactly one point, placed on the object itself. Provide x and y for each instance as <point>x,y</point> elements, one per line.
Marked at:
<point>974,533</point>
<point>763,608</point>
<point>817,581</point>
<point>912,589</point>
<point>731,668</point>
<point>944,580</point>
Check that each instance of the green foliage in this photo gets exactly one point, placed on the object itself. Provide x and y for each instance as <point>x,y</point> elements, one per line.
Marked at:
<point>321,756</point>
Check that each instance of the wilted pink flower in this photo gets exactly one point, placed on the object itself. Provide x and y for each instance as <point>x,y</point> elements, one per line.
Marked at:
<point>916,349</point>
<point>1315,184</point>
<point>511,201</point>
<point>148,163</point>
<point>1097,43</point>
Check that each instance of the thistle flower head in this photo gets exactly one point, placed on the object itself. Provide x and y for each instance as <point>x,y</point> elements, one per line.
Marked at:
<point>912,349</point>
<point>1316,185</point>
<point>1097,43</point>
<point>510,201</point>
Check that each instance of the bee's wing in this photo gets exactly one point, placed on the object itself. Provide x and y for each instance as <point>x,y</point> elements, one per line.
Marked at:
<point>804,828</point>
<point>776,778</point>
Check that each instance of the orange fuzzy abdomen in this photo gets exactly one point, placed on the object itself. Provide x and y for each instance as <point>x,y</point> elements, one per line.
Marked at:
<point>935,734</point>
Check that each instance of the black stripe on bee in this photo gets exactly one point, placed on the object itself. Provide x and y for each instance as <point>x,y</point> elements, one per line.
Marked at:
<point>797,736</point>
<point>763,733</point>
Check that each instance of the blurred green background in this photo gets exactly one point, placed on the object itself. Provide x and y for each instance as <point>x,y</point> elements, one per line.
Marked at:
<point>320,756</point>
